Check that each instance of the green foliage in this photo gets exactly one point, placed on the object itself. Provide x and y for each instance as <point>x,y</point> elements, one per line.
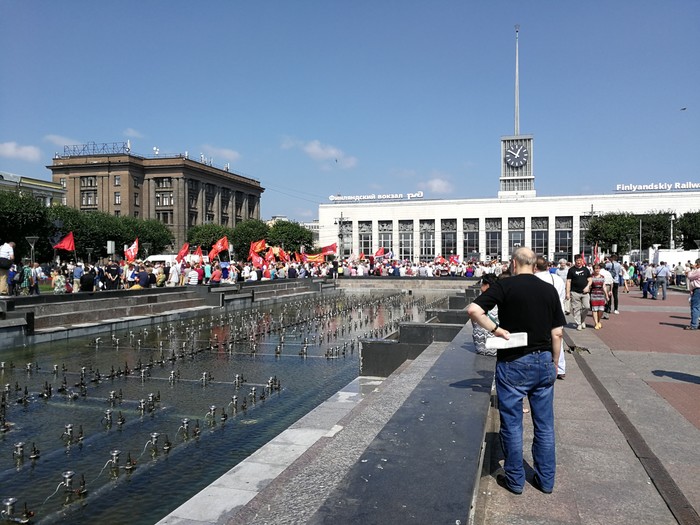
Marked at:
<point>94,229</point>
<point>624,230</point>
<point>687,230</point>
<point>207,234</point>
<point>246,232</point>
<point>27,216</point>
<point>23,216</point>
<point>613,228</point>
<point>290,235</point>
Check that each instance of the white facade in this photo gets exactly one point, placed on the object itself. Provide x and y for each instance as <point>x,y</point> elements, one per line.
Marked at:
<point>484,229</point>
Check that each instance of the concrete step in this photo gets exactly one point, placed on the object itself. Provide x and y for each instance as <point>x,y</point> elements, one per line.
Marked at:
<point>114,311</point>
<point>93,302</point>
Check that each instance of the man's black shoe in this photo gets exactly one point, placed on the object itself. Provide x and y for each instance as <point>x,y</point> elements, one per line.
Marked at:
<point>538,486</point>
<point>503,482</point>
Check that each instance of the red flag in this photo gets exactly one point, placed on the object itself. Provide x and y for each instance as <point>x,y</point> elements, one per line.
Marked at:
<point>315,258</point>
<point>380,252</point>
<point>131,251</point>
<point>283,255</point>
<point>454,259</point>
<point>596,257</point>
<point>362,256</point>
<point>258,246</point>
<point>330,249</point>
<point>220,246</point>
<point>300,258</point>
<point>198,253</point>
<point>270,255</point>
<point>440,259</point>
<point>183,252</point>
<point>67,243</point>
<point>257,260</point>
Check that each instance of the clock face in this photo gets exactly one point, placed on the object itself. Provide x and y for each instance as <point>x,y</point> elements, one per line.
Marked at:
<point>516,155</point>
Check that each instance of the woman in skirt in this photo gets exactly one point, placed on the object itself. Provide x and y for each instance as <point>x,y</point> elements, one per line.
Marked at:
<point>599,295</point>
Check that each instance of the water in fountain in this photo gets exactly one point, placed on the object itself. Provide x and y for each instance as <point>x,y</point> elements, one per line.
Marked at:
<point>264,368</point>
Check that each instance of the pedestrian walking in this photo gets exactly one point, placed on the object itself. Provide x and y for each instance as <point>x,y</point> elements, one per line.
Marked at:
<point>578,285</point>
<point>693,280</point>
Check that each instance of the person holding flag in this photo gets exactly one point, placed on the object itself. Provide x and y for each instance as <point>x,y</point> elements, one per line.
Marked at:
<point>131,252</point>
<point>220,246</point>
<point>183,252</point>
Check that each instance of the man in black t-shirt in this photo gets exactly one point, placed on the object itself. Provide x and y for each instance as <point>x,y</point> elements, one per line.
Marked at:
<point>525,304</point>
<point>112,275</point>
<point>578,284</point>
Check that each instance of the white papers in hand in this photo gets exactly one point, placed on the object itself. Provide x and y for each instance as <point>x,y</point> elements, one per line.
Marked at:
<point>517,339</point>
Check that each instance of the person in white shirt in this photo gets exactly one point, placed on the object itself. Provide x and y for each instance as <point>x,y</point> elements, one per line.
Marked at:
<point>192,276</point>
<point>609,281</point>
<point>542,271</point>
<point>663,273</point>
<point>7,258</point>
<point>173,275</point>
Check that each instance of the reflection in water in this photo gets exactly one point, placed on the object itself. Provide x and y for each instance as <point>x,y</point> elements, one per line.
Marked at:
<point>151,416</point>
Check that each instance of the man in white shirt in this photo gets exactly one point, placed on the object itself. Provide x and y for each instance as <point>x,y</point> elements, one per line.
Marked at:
<point>7,258</point>
<point>663,273</point>
<point>542,271</point>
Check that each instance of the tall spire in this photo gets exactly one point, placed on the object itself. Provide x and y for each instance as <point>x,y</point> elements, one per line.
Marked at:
<point>517,84</point>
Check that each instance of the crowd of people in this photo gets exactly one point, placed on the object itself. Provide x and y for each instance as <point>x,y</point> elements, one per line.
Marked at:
<point>73,277</point>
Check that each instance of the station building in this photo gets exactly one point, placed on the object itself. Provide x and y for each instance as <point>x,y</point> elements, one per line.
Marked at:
<point>414,228</point>
<point>176,190</point>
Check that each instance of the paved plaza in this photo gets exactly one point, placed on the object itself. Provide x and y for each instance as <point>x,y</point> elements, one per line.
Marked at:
<point>627,426</point>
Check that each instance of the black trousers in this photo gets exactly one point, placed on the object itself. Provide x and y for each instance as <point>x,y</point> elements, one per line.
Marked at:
<point>612,301</point>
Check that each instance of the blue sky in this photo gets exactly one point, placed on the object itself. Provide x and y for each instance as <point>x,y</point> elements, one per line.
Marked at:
<point>315,98</point>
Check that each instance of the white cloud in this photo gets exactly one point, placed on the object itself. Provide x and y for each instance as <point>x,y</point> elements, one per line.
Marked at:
<point>132,133</point>
<point>437,185</point>
<point>289,143</point>
<point>305,213</point>
<point>59,140</point>
<point>221,153</point>
<point>12,150</point>
<point>326,155</point>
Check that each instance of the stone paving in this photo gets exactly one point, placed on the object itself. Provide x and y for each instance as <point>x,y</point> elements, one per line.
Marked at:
<point>650,367</point>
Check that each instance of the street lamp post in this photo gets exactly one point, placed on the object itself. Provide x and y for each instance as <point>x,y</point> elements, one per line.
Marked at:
<point>672,243</point>
<point>31,239</point>
<point>339,221</point>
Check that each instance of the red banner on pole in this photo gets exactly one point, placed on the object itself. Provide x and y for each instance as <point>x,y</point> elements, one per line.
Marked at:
<point>131,251</point>
<point>67,243</point>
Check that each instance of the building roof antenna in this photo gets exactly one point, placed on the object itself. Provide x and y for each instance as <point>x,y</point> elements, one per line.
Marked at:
<point>517,84</point>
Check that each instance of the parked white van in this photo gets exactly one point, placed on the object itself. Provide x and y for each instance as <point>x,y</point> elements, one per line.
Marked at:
<point>169,259</point>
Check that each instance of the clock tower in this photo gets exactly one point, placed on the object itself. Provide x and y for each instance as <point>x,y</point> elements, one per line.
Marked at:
<point>517,178</point>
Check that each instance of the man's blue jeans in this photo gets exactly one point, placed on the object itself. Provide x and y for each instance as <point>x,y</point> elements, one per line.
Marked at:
<point>532,375</point>
<point>695,308</point>
<point>662,284</point>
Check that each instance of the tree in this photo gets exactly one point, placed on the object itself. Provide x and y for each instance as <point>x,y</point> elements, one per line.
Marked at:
<point>290,236</point>
<point>23,215</point>
<point>687,229</point>
<point>246,232</point>
<point>623,229</point>
<point>207,234</point>
<point>613,228</point>
<point>656,228</point>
